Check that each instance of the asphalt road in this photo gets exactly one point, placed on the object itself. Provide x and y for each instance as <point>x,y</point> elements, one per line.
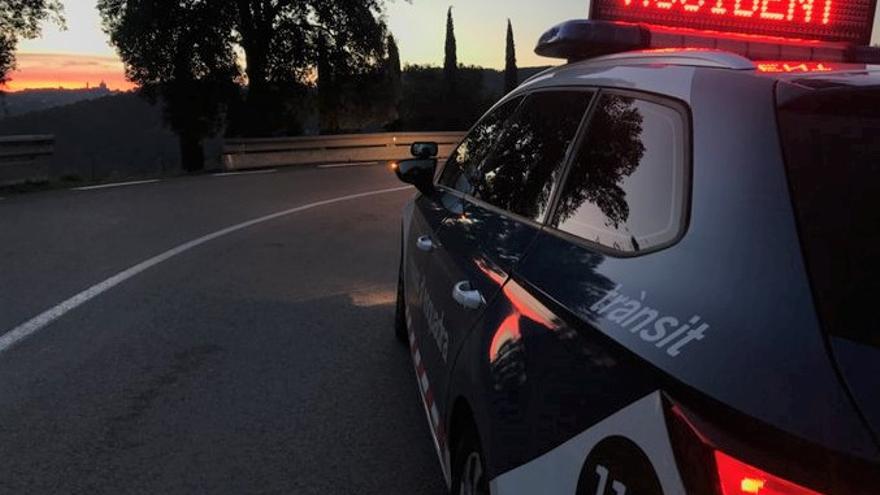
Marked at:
<point>260,361</point>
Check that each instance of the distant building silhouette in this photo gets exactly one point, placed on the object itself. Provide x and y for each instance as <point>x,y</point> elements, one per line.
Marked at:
<point>32,100</point>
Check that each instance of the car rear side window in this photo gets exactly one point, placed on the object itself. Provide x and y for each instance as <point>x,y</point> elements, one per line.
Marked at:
<point>626,187</point>
<point>831,140</point>
<point>462,168</point>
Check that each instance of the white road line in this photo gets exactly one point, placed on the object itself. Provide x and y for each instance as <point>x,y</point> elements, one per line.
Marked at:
<point>117,184</point>
<point>344,165</point>
<point>40,321</point>
<point>249,172</point>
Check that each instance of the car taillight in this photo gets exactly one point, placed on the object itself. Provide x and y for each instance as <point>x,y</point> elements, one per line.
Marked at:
<point>739,478</point>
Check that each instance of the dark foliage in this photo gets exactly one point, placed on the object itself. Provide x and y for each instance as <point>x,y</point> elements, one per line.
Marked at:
<point>426,106</point>
<point>181,53</point>
<point>291,105</point>
<point>21,19</point>
<point>284,39</point>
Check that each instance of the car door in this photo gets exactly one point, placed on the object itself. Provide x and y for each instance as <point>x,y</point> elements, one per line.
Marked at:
<point>494,209</point>
<point>548,372</point>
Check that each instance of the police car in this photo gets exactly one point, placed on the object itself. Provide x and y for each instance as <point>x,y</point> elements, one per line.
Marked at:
<point>652,270</point>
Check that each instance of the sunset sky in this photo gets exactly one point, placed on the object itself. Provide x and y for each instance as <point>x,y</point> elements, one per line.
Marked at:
<point>82,55</point>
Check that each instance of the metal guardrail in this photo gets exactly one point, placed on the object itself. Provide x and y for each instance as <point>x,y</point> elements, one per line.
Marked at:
<point>242,154</point>
<point>24,158</point>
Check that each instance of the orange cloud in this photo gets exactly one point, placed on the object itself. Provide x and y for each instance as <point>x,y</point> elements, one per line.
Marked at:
<point>53,70</point>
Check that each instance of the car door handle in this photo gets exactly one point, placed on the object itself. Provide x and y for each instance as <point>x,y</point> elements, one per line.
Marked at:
<point>466,296</point>
<point>425,244</point>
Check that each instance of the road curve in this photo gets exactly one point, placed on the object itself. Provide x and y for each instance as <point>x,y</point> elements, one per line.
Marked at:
<point>260,361</point>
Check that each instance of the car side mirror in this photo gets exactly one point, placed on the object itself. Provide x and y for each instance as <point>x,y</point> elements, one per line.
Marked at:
<point>424,150</point>
<point>418,172</point>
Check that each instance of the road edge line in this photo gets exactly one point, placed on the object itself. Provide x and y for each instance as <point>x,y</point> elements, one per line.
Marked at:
<point>115,184</point>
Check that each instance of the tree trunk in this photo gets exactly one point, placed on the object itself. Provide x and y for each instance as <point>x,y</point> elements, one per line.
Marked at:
<point>259,105</point>
<point>192,155</point>
<point>255,44</point>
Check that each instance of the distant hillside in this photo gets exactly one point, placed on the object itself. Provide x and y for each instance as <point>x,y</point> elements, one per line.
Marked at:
<point>33,100</point>
<point>113,136</point>
<point>121,135</point>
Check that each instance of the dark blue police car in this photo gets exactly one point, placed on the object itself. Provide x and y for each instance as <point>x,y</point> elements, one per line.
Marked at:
<point>652,270</point>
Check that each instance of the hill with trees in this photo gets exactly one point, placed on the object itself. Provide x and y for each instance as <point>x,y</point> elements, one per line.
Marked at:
<point>114,136</point>
<point>33,100</point>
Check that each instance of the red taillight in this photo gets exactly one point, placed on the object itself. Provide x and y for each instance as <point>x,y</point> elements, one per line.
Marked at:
<point>738,478</point>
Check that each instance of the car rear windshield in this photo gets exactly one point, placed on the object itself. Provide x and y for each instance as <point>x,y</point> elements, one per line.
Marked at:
<point>831,139</point>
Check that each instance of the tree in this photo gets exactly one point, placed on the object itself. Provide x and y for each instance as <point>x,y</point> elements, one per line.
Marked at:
<point>328,91</point>
<point>283,40</point>
<point>180,53</point>
<point>394,76</point>
<point>393,69</point>
<point>21,19</point>
<point>511,76</point>
<point>424,107</point>
<point>450,62</point>
<point>454,91</point>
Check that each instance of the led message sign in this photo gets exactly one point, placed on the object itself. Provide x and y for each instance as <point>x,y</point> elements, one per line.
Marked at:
<point>824,20</point>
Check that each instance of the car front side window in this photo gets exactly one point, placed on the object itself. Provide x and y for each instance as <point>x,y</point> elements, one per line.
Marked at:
<point>520,173</point>
<point>462,168</point>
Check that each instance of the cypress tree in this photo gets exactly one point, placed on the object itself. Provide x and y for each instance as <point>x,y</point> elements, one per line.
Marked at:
<point>394,75</point>
<point>511,73</point>
<point>450,63</point>
<point>394,69</point>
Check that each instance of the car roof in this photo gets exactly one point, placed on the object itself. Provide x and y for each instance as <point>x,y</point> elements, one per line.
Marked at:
<point>810,73</point>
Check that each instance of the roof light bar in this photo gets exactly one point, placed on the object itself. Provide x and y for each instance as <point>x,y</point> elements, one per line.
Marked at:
<point>582,39</point>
